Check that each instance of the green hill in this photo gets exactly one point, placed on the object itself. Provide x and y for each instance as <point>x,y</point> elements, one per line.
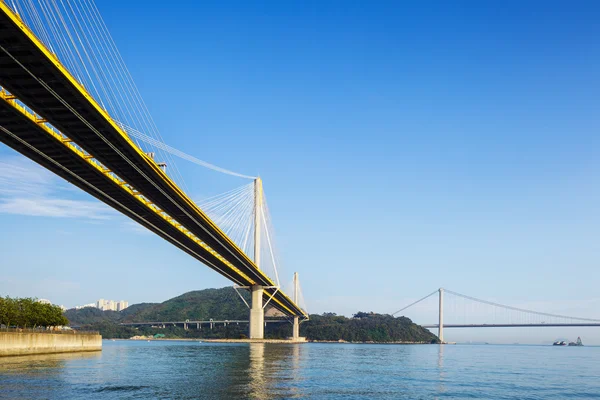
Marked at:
<point>366,327</point>
<point>204,304</point>
<point>225,304</point>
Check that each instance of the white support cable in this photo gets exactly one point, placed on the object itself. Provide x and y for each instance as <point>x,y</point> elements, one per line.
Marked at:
<point>115,201</point>
<point>75,32</point>
<point>270,247</point>
<point>209,200</point>
<point>271,240</point>
<point>139,135</point>
<point>518,309</point>
<point>413,303</point>
<point>271,298</point>
<point>236,287</point>
<point>77,35</point>
<point>108,142</point>
<point>232,212</point>
<point>138,99</point>
<point>250,222</point>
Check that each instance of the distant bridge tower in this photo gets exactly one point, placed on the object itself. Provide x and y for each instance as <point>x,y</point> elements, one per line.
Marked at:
<point>441,321</point>
<point>296,327</point>
<point>257,314</point>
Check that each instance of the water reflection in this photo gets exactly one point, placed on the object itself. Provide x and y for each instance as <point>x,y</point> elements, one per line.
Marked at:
<point>43,363</point>
<point>191,370</point>
<point>295,372</point>
<point>442,373</point>
<point>35,376</point>
<point>273,369</point>
<point>256,371</point>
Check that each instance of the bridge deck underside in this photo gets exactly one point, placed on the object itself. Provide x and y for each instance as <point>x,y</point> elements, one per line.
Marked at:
<point>32,74</point>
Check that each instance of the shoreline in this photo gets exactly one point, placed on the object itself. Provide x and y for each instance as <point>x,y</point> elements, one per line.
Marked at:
<point>283,341</point>
<point>276,341</point>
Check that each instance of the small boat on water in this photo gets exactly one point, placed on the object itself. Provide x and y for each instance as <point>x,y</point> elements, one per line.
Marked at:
<point>578,343</point>
<point>559,343</point>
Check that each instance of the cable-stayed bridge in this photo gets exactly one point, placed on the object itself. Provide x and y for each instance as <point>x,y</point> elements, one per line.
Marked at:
<point>69,103</point>
<point>469,312</point>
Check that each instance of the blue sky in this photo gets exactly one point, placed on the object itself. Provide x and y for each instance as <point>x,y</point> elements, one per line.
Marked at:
<point>402,148</point>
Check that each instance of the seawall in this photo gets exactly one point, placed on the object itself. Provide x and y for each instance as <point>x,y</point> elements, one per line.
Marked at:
<point>24,343</point>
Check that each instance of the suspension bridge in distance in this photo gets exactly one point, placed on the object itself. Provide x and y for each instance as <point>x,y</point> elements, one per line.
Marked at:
<point>68,102</point>
<point>488,314</point>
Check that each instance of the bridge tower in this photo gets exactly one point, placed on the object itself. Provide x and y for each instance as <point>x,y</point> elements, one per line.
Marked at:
<point>296,327</point>
<point>441,320</point>
<point>257,314</point>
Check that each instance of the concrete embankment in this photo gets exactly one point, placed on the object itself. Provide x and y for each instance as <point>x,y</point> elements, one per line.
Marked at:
<point>24,343</point>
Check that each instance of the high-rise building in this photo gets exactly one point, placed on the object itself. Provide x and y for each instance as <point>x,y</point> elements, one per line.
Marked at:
<point>112,305</point>
<point>121,305</point>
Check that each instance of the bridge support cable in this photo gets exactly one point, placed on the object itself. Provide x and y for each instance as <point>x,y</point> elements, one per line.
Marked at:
<point>415,302</point>
<point>171,150</point>
<point>144,220</point>
<point>456,310</point>
<point>257,220</point>
<point>232,212</point>
<point>101,136</point>
<point>196,218</point>
<point>244,216</point>
<point>77,151</point>
<point>78,37</point>
<point>522,310</point>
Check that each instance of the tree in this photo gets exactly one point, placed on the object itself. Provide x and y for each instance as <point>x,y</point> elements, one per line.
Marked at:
<point>28,312</point>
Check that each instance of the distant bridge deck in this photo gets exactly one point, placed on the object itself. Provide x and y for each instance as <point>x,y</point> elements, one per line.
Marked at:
<point>190,322</point>
<point>511,325</point>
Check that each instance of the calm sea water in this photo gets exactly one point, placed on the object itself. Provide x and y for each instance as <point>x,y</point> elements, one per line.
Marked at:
<point>187,370</point>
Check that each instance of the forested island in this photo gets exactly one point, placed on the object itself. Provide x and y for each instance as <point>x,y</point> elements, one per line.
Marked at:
<point>224,304</point>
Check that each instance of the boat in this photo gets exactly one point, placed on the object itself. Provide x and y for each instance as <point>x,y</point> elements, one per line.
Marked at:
<point>578,343</point>
<point>559,343</point>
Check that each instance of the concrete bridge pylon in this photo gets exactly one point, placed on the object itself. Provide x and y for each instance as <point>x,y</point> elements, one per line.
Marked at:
<point>257,313</point>
<point>441,316</point>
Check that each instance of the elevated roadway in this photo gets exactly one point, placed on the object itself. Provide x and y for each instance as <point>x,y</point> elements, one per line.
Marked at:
<point>90,150</point>
<point>194,322</point>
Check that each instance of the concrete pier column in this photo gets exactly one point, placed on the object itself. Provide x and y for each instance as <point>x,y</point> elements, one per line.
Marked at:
<point>441,321</point>
<point>257,314</point>
<point>296,329</point>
